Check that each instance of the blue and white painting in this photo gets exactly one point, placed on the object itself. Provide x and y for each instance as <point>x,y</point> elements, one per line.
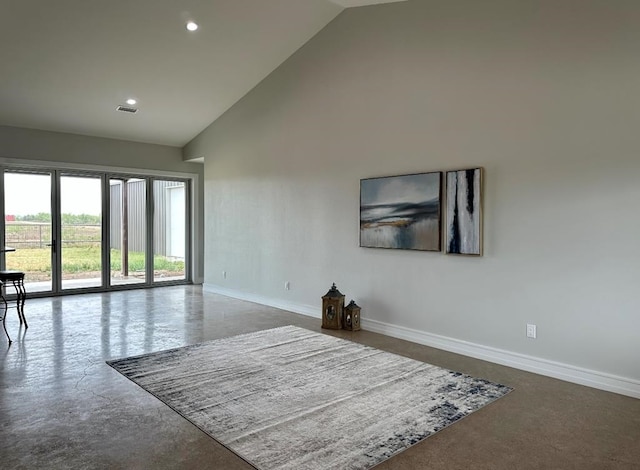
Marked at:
<point>401,212</point>
<point>464,212</point>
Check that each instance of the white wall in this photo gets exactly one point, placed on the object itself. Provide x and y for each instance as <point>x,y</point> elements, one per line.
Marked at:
<point>31,146</point>
<point>545,95</point>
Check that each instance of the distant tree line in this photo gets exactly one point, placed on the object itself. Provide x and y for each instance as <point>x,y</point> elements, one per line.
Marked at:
<point>71,219</point>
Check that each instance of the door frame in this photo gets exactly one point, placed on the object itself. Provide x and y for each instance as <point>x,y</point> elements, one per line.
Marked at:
<point>106,175</point>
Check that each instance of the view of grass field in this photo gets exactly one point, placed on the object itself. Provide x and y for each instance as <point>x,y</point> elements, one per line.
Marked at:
<point>36,262</point>
<point>81,252</point>
<point>38,234</point>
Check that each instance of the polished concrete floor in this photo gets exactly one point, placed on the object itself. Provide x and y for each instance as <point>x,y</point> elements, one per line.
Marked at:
<point>62,407</point>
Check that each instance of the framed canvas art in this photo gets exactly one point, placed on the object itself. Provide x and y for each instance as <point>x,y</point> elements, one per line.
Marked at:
<point>463,231</point>
<point>401,212</point>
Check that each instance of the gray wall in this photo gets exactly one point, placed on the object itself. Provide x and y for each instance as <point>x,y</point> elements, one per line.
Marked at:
<point>543,94</point>
<point>19,145</point>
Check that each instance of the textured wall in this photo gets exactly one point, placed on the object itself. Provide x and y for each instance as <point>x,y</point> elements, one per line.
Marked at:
<point>544,95</point>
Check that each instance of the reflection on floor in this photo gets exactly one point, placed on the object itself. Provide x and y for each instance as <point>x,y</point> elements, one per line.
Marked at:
<point>61,406</point>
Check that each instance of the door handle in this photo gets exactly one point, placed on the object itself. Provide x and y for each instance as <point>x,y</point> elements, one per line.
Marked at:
<point>52,245</point>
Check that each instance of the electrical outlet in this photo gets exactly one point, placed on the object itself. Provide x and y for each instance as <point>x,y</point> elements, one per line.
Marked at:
<point>287,286</point>
<point>224,274</point>
<point>531,331</point>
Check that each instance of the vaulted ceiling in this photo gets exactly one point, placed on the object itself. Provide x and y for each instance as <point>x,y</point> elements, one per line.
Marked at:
<point>66,65</point>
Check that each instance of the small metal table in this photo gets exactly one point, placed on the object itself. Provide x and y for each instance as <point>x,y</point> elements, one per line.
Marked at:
<point>6,249</point>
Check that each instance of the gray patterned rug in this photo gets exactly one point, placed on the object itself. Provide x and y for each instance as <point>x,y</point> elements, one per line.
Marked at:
<point>289,398</point>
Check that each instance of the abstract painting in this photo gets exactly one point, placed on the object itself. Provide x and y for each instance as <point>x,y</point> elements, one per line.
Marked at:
<point>463,234</point>
<point>401,212</point>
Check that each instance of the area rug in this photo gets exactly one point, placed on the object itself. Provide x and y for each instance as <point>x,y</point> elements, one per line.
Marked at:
<point>290,398</point>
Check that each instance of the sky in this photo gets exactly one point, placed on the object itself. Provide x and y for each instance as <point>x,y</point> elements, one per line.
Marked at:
<point>397,189</point>
<point>27,194</point>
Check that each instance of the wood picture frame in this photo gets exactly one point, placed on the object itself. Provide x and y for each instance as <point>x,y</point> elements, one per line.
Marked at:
<point>402,212</point>
<point>463,212</point>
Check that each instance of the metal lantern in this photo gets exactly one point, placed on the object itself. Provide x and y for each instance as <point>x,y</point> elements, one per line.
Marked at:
<point>352,317</point>
<point>332,309</point>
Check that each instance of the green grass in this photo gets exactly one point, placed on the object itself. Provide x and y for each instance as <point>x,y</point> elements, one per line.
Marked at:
<point>80,254</point>
<point>79,259</point>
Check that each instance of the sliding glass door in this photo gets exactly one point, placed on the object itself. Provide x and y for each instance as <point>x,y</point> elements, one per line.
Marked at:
<point>81,239</point>
<point>128,230</point>
<point>169,224</point>
<point>71,231</point>
<point>27,227</point>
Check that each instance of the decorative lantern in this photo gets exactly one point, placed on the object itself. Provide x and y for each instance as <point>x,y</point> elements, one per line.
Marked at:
<point>332,309</point>
<point>352,317</point>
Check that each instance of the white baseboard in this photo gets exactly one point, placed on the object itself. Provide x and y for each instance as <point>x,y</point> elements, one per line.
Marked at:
<point>558,370</point>
<point>308,310</point>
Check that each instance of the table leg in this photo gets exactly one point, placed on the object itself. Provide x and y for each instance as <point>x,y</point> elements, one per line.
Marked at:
<point>4,318</point>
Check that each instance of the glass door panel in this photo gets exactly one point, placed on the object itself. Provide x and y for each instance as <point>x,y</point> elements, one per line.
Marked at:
<point>81,231</point>
<point>128,234</point>
<point>27,209</point>
<point>169,230</point>
<point>57,232</point>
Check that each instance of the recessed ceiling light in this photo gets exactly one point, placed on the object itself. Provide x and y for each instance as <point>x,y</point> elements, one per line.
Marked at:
<point>191,26</point>
<point>131,101</point>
